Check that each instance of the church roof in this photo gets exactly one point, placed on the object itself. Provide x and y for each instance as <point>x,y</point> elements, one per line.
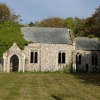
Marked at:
<point>85,43</point>
<point>46,35</point>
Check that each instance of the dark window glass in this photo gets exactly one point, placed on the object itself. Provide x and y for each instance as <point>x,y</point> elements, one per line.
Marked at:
<point>35,58</point>
<point>59,57</point>
<point>63,57</point>
<point>76,59</point>
<point>80,59</point>
<point>96,60</point>
<point>31,57</point>
<point>92,59</point>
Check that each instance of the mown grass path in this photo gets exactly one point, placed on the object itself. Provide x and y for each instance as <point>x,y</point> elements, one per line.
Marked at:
<point>49,86</point>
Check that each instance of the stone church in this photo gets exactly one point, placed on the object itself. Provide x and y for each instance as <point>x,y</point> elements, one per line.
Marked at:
<point>53,49</point>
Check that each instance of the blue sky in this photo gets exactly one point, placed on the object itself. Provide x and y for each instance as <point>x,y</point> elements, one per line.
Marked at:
<point>36,10</point>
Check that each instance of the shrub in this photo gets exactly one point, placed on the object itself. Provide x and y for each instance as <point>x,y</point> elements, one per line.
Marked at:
<point>67,68</point>
<point>91,35</point>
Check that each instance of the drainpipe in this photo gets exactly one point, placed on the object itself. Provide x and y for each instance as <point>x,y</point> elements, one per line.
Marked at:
<point>23,62</point>
<point>40,58</point>
<point>74,57</point>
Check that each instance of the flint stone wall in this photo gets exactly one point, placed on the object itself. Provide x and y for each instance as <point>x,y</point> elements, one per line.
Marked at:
<point>47,56</point>
<point>86,58</point>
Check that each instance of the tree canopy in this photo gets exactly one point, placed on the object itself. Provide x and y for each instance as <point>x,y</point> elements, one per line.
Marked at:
<point>10,32</point>
<point>81,27</point>
<point>53,22</point>
<point>93,24</point>
<point>6,14</point>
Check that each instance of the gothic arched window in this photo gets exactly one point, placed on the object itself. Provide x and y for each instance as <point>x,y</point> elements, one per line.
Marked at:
<point>61,57</point>
<point>34,57</point>
<point>78,58</point>
<point>94,59</point>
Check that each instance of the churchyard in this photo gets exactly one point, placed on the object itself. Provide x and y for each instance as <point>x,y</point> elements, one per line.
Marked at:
<point>49,86</point>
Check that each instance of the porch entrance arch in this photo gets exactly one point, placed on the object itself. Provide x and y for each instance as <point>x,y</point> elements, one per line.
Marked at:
<point>14,63</point>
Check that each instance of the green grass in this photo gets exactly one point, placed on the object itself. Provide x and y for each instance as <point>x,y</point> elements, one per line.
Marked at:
<point>49,86</point>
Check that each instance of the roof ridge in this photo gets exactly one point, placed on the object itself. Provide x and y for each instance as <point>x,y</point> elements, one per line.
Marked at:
<point>46,27</point>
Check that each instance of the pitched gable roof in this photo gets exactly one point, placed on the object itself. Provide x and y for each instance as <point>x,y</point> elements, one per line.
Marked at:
<point>85,43</point>
<point>46,35</point>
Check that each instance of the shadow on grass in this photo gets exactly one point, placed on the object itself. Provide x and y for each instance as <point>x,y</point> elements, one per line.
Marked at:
<point>56,97</point>
<point>88,78</point>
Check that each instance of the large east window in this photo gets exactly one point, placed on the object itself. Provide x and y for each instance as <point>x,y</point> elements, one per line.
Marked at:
<point>33,57</point>
<point>61,57</point>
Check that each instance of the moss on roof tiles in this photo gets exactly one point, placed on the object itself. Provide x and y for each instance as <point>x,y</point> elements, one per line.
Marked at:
<point>46,35</point>
<point>85,43</point>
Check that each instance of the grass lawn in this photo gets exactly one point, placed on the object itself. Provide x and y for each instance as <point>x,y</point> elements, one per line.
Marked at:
<point>49,86</point>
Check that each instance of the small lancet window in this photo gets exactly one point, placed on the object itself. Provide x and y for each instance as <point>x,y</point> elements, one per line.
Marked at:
<point>59,57</point>
<point>78,58</point>
<point>94,59</point>
<point>63,57</point>
<point>35,58</point>
<point>31,57</point>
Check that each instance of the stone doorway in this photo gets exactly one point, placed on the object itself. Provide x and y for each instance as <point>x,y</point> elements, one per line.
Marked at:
<point>14,63</point>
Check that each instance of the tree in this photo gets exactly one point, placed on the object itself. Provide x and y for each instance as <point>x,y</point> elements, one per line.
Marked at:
<point>70,23</point>
<point>6,14</point>
<point>31,24</point>
<point>10,32</point>
<point>77,25</point>
<point>93,24</point>
<point>53,22</point>
<point>14,17</point>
